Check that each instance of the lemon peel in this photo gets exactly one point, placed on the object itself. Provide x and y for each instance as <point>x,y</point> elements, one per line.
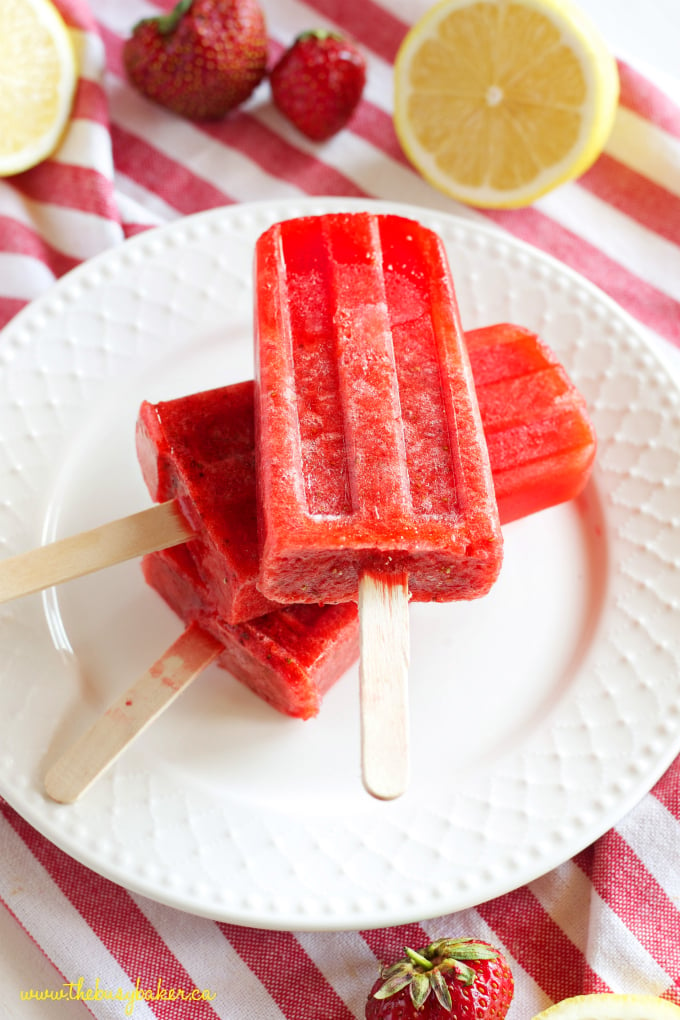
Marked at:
<point>611,1006</point>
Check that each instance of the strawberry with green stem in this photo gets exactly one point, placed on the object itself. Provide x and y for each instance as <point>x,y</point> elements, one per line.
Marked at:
<point>318,82</point>
<point>450,979</point>
<point>202,59</point>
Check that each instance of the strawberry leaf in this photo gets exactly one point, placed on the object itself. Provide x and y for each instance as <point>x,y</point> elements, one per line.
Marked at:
<point>394,983</point>
<point>420,989</point>
<point>167,23</point>
<point>465,949</point>
<point>441,990</point>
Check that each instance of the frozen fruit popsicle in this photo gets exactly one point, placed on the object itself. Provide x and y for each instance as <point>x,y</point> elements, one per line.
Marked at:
<point>289,657</point>
<point>373,476</point>
<point>199,450</point>
<point>540,439</point>
<point>370,451</point>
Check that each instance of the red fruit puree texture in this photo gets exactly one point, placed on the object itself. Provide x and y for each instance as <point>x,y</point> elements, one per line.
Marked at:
<point>200,450</point>
<point>370,450</point>
<point>541,447</point>
<point>540,439</point>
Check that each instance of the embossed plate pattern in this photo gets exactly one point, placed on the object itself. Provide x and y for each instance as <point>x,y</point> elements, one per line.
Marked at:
<point>540,714</point>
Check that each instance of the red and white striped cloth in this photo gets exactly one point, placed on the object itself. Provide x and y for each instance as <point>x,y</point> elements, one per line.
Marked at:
<point>607,920</point>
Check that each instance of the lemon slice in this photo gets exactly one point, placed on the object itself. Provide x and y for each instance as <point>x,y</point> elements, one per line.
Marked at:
<point>38,73</point>
<point>609,1006</point>
<point>499,101</point>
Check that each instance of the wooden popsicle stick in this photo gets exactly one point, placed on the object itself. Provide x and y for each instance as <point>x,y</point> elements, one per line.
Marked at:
<point>158,527</point>
<point>383,684</point>
<point>76,770</point>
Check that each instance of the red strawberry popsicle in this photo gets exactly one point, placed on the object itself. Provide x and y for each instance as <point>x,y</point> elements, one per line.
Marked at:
<point>540,439</point>
<point>371,458</point>
<point>199,450</point>
<point>289,657</point>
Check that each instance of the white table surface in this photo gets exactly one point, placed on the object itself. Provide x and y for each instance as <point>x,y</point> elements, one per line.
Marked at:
<point>645,33</point>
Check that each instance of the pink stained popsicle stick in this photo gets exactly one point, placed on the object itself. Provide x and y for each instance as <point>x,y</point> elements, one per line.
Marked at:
<point>289,658</point>
<point>75,771</point>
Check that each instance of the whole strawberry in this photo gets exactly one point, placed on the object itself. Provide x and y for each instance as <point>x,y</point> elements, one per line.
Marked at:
<point>200,60</point>
<point>318,82</point>
<point>451,979</point>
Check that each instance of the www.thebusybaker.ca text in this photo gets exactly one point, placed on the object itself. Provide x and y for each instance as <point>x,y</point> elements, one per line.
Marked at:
<point>76,990</point>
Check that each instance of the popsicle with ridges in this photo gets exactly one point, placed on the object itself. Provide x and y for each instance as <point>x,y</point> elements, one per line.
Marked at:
<point>370,451</point>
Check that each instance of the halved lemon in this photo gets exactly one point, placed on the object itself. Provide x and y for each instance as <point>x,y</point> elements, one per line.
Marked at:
<point>610,1006</point>
<point>499,101</point>
<point>38,70</point>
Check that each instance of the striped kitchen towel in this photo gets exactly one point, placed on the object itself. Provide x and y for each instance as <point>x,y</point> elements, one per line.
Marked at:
<point>609,919</point>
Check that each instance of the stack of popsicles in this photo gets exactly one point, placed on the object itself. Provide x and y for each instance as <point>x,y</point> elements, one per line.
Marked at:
<point>372,462</point>
<point>194,448</point>
<point>354,314</point>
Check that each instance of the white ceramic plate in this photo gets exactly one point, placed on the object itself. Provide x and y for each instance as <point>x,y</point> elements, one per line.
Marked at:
<point>540,714</point>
